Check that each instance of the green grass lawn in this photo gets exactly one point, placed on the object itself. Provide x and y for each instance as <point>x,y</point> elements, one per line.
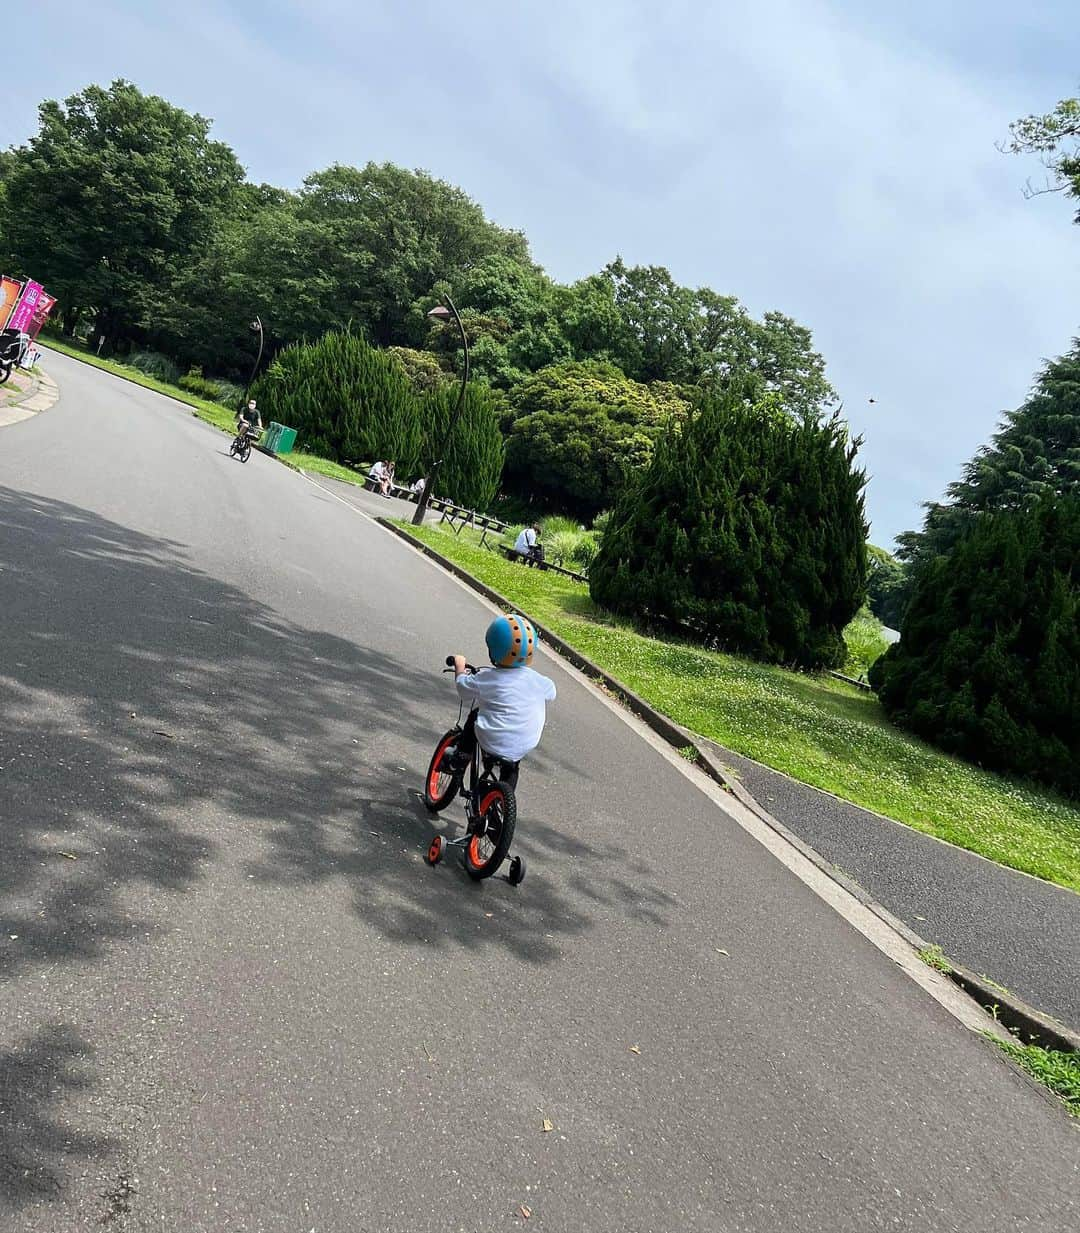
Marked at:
<point>814,728</point>
<point>211,412</point>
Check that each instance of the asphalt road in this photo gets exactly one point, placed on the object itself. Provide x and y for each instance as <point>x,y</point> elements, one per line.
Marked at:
<point>234,997</point>
<point>1019,931</point>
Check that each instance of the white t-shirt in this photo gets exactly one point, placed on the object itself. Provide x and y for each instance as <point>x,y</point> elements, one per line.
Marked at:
<point>512,709</point>
<point>525,541</point>
<point>377,472</point>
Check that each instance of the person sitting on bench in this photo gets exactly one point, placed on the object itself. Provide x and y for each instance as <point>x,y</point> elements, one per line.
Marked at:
<point>382,475</point>
<point>528,545</point>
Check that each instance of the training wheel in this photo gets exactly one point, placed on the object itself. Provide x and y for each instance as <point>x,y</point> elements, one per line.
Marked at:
<point>516,873</point>
<point>435,851</point>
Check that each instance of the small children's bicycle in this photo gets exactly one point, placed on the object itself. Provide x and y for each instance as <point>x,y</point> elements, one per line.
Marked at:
<point>490,806</point>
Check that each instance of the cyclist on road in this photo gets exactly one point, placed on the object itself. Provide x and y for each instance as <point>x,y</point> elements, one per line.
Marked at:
<point>250,417</point>
<point>511,698</point>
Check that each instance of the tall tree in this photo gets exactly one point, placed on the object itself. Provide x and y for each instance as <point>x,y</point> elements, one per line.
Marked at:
<point>989,663</point>
<point>115,191</point>
<point>748,529</point>
<point>507,305</point>
<point>1054,136</point>
<point>383,236</point>
<point>674,333</point>
<point>1036,451</point>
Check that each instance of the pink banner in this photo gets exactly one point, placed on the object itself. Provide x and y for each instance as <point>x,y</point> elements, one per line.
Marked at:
<point>41,313</point>
<point>24,311</point>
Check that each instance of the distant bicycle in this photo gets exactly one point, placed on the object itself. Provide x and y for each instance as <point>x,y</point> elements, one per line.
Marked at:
<point>246,436</point>
<point>490,805</point>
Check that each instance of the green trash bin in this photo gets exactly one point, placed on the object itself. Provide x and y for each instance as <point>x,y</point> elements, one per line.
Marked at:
<point>270,438</point>
<point>285,441</point>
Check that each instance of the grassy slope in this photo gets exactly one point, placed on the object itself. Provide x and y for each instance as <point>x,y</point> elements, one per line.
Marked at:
<point>212,412</point>
<point>816,729</point>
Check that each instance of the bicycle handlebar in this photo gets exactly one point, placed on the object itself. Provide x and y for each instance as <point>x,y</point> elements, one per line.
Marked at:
<point>450,664</point>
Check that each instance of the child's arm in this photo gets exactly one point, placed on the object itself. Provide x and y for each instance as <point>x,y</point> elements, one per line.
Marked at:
<point>464,680</point>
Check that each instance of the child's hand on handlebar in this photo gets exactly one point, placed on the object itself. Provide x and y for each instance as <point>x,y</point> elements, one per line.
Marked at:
<point>459,665</point>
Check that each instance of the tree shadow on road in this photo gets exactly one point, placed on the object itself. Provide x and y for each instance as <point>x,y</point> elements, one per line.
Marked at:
<point>37,1078</point>
<point>157,720</point>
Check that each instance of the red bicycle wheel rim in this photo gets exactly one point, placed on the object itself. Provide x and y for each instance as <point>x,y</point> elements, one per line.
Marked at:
<point>439,781</point>
<point>476,857</point>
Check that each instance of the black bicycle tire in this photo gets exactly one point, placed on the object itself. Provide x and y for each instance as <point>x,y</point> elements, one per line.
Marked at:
<point>506,835</point>
<point>438,803</point>
<point>245,452</point>
<point>5,372</point>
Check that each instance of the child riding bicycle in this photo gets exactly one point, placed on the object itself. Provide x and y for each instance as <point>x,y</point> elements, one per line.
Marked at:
<point>510,699</point>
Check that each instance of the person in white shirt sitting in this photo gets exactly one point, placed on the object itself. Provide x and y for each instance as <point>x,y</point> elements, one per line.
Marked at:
<point>382,474</point>
<point>528,545</point>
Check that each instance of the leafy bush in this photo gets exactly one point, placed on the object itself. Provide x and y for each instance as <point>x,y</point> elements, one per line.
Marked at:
<point>559,547</point>
<point>579,430</point>
<point>584,551</point>
<point>156,365</point>
<point>748,528</point>
<point>195,383</point>
<point>347,400</point>
<point>865,643</point>
<point>229,394</point>
<point>989,663</point>
<point>422,368</point>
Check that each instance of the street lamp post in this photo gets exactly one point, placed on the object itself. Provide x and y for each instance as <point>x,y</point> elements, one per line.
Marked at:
<point>444,313</point>
<point>256,327</point>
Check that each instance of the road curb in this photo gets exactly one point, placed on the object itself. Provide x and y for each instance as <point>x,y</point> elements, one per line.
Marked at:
<point>44,392</point>
<point>1009,1010</point>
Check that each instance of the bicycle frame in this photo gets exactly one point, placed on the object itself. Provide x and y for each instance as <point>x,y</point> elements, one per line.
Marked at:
<point>476,776</point>
<point>483,788</point>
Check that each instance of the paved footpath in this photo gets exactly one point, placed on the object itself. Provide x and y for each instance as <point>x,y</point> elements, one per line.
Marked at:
<point>235,998</point>
<point>1021,932</point>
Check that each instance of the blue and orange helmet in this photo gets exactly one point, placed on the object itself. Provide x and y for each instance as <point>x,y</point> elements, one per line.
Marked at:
<point>510,641</point>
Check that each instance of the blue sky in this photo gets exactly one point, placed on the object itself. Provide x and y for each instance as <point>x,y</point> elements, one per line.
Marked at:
<point>832,159</point>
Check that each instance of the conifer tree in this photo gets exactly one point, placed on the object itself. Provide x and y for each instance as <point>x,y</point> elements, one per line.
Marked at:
<point>989,663</point>
<point>1036,451</point>
<point>347,400</point>
<point>748,529</point>
<point>472,466</point>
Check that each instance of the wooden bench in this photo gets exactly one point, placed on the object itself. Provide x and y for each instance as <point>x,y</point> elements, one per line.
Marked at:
<point>457,517</point>
<point>396,490</point>
<point>512,554</point>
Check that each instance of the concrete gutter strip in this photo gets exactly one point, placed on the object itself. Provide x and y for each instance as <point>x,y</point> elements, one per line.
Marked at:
<point>1015,1014</point>
<point>42,394</point>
